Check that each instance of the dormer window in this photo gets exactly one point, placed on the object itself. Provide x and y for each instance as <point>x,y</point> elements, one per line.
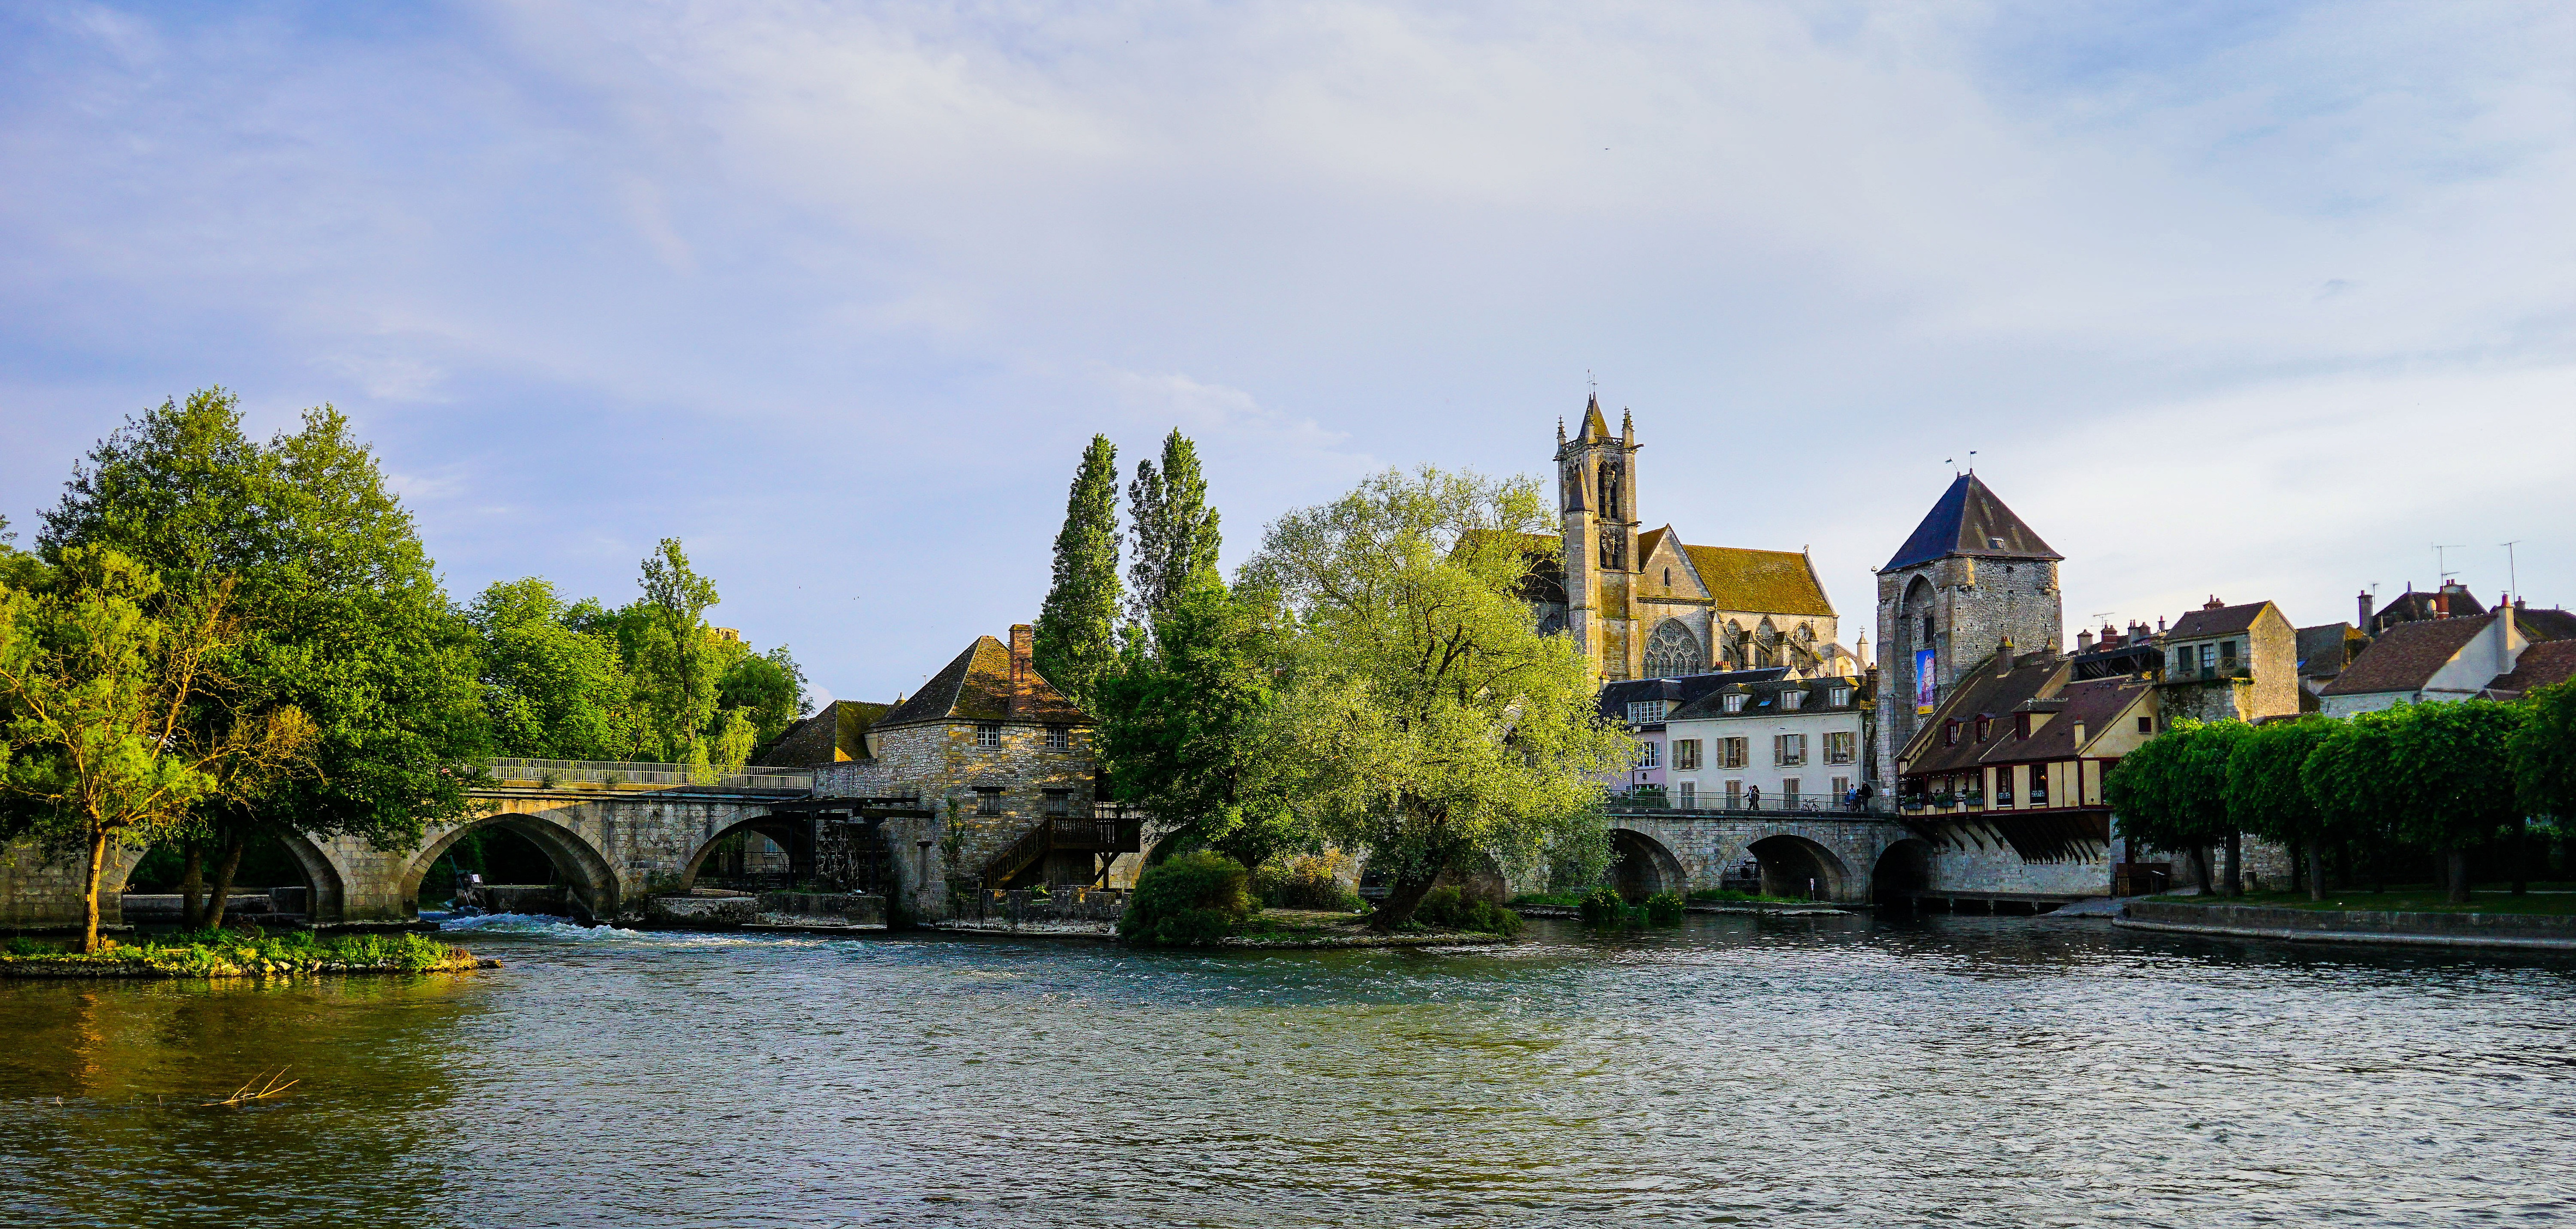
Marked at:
<point>2021,726</point>
<point>1982,724</point>
<point>1793,699</point>
<point>1645,712</point>
<point>1839,696</point>
<point>1735,703</point>
<point>1950,733</point>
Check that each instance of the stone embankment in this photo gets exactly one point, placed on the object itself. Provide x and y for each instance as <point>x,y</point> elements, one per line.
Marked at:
<point>2493,931</point>
<point>707,909</point>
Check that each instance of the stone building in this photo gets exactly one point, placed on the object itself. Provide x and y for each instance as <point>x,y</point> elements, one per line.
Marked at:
<point>2227,662</point>
<point>2444,659</point>
<point>1644,604</point>
<point>1784,744</point>
<point>1641,705</point>
<point>1972,581</point>
<point>1003,762</point>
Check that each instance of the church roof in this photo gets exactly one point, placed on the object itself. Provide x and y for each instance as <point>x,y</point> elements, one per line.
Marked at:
<point>1595,427</point>
<point>1970,520</point>
<point>1770,581</point>
<point>977,687</point>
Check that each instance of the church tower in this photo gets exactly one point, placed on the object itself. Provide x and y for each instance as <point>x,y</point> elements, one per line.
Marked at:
<point>1972,579</point>
<point>1597,492</point>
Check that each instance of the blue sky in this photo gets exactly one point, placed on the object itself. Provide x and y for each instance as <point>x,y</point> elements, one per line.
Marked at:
<point>2259,301</point>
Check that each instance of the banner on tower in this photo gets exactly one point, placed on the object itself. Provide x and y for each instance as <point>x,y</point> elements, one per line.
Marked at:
<point>1926,691</point>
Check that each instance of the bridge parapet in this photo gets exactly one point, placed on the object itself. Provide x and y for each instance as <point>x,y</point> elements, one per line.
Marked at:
<point>639,775</point>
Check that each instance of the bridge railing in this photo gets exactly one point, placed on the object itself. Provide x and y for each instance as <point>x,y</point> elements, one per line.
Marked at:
<point>619,774</point>
<point>1804,808</point>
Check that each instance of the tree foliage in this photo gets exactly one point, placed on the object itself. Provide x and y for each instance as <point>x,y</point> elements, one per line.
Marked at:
<point>1076,632</point>
<point>1425,719</point>
<point>555,684</point>
<point>1172,531</point>
<point>106,679</point>
<point>2543,753</point>
<point>2171,793</point>
<point>1197,897</point>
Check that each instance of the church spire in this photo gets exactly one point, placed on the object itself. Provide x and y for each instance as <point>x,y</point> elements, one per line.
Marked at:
<point>1594,427</point>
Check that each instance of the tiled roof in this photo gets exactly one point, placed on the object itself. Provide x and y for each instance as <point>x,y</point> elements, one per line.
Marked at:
<point>2406,655</point>
<point>2094,704</point>
<point>2322,650</point>
<point>2545,664</point>
<point>1985,691</point>
<point>1969,519</point>
<point>837,731</point>
<point>2413,605</point>
<point>1766,695</point>
<point>2223,621</point>
<point>1677,692</point>
<point>2546,624</point>
<point>1769,581</point>
<point>977,687</point>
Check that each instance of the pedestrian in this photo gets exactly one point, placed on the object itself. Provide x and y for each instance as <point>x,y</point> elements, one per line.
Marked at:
<point>1866,792</point>
<point>1753,798</point>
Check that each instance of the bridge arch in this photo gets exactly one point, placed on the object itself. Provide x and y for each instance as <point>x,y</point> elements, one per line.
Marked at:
<point>587,873</point>
<point>1644,866</point>
<point>793,833</point>
<point>1790,861</point>
<point>1903,870</point>
<point>324,878</point>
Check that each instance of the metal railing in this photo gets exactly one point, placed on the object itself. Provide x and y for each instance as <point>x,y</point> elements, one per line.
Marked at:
<point>1822,808</point>
<point>621,774</point>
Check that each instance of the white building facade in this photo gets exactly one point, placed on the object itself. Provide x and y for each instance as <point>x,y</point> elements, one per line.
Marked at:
<point>1787,744</point>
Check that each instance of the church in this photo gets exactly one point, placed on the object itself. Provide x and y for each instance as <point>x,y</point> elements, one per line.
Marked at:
<point>1646,605</point>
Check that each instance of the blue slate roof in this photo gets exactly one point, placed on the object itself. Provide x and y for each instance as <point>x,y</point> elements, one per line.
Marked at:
<point>1970,520</point>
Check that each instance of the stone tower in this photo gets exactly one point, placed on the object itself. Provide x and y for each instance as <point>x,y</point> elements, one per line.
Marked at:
<point>1972,578</point>
<point>1597,489</point>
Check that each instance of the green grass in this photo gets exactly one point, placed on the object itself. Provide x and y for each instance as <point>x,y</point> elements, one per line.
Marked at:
<point>244,953</point>
<point>2548,899</point>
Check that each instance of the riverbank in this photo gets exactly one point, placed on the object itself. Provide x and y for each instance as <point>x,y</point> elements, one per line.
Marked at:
<point>1270,929</point>
<point>2544,929</point>
<point>232,954</point>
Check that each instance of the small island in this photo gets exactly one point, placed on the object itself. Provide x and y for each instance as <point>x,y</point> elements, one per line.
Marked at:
<point>235,953</point>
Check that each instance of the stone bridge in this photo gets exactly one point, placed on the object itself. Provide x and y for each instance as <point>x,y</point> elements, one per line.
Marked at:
<point>613,843</point>
<point>1851,858</point>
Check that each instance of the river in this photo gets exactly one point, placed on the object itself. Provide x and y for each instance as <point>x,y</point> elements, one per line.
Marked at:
<point>1826,1072</point>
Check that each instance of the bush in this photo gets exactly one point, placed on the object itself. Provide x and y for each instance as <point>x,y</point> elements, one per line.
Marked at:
<point>1198,897</point>
<point>21,945</point>
<point>1664,908</point>
<point>1604,908</point>
<point>1311,881</point>
<point>1451,909</point>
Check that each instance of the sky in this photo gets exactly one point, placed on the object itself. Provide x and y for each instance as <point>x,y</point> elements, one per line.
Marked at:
<point>2245,300</point>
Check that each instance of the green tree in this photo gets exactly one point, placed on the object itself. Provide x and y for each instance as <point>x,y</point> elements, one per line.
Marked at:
<point>2455,774</point>
<point>551,688</point>
<point>2543,753</point>
<point>676,666</point>
<point>1426,721</point>
<point>768,689</point>
<point>2267,794</point>
<point>343,619</point>
<point>1187,730</point>
<point>104,676</point>
<point>2171,793</point>
<point>2351,777</point>
<point>1172,529</point>
<point>1076,632</point>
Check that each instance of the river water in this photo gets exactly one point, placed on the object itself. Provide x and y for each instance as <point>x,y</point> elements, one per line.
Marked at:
<point>1951,1070</point>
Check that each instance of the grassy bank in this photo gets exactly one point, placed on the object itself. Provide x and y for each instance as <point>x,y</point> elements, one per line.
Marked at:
<point>2552,899</point>
<point>233,953</point>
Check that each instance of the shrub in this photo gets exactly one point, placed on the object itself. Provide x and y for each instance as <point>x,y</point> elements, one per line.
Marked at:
<point>1309,881</point>
<point>21,945</point>
<point>1664,909</point>
<point>1198,897</point>
<point>1451,909</point>
<point>1604,908</point>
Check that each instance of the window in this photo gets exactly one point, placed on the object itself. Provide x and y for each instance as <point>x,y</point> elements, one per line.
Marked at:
<point>988,737</point>
<point>2227,650</point>
<point>1840,747</point>
<point>1950,733</point>
<point>1982,724</point>
<point>1645,712</point>
<point>2021,726</point>
<point>1059,802</point>
<point>2003,787</point>
<point>1735,703</point>
<point>1686,754</point>
<point>1839,697</point>
<point>1789,792</point>
<point>1927,629</point>
<point>1058,738</point>
<point>1793,700</point>
<point>1649,753</point>
<point>1842,789</point>
<point>1788,750</point>
<point>1730,753</point>
<point>1668,578</point>
<point>2146,725</point>
<point>1686,795</point>
<point>1735,795</point>
<point>2039,785</point>
<point>988,800</point>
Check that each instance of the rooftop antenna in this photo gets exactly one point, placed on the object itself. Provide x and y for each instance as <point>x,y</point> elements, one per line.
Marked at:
<point>2512,579</point>
<point>2439,575</point>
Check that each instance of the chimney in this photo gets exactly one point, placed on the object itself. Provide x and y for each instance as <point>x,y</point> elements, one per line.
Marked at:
<point>2362,601</point>
<point>1023,674</point>
<point>2442,602</point>
<point>2084,641</point>
<point>2160,625</point>
<point>2004,657</point>
<point>2213,603</point>
<point>2509,640</point>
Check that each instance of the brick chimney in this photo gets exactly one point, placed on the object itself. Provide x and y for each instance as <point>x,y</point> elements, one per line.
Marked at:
<point>2213,603</point>
<point>2362,601</point>
<point>1024,673</point>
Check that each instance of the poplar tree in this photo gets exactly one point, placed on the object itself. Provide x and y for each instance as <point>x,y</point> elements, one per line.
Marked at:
<point>1173,530</point>
<point>1076,629</point>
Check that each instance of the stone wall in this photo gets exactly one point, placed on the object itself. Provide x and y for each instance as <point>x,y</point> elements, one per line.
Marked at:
<point>943,766</point>
<point>1701,846</point>
<point>1974,604</point>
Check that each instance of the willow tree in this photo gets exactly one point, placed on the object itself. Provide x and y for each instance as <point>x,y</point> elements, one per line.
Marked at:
<point>1077,627</point>
<point>1427,722</point>
<point>104,676</point>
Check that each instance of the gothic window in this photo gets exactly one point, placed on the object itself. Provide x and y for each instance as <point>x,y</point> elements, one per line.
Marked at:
<point>1766,645</point>
<point>1573,487</point>
<point>1672,651</point>
<point>1668,578</point>
<point>1610,509</point>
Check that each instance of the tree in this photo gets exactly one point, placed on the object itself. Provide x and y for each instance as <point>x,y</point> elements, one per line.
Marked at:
<point>2351,777</point>
<point>1172,529</point>
<point>552,689</point>
<point>768,689</point>
<point>675,665</point>
<point>1425,720</point>
<point>342,616</point>
<point>103,679</point>
<point>2267,795</point>
<point>2454,772</point>
<point>2543,753</point>
<point>1076,632</point>
<point>1187,730</point>
<point>2171,793</point>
